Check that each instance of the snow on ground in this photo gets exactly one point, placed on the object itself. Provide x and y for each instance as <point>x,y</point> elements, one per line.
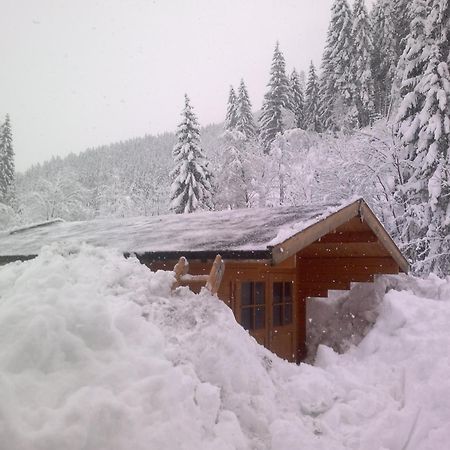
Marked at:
<point>96,353</point>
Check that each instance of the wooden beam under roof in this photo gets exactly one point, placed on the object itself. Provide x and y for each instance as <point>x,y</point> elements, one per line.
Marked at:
<point>339,250</point>
<point>348,265</point>
<point>345,237</point>
<point>335,278</point>
<point>324,286</point>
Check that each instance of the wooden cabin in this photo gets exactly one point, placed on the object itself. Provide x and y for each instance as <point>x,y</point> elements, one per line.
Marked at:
<point>274,257</point>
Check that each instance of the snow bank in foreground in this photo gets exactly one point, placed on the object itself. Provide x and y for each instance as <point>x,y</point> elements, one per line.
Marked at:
<point>97,354</point>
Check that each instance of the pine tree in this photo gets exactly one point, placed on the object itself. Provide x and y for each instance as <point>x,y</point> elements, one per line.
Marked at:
<point>410,70</point>
<point>390,23</point>
<point>401,17</point>
<point>7,169</point>
<point>191,186</point>
<point>244,116</point>
<point>383,57</point>
<point>302,80</point>
<point>297,100</point>
<point>238,164</point>
<point>312,101</point>
<point>276,99</point>
<point>424,129</point>
<point>362,71</point>
<point>336,84</point>
<point>230,119</point>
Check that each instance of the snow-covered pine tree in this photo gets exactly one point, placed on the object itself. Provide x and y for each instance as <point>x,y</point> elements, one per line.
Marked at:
<point>230,119</point>
<point>7,169</point>
<point>362,71</point>
<point>245,122</point>
<point>239,165</point>
<point>275,101</point>
<point>390,24</point>
<point>411,63</point>
<point>312,101</point>
<point>401,17</point>
<point>424,129</point>
<point>410,71</point>
<point>337,109</point>
<point>302,80</point>
<point>191,188</point>
<point>297,100</point>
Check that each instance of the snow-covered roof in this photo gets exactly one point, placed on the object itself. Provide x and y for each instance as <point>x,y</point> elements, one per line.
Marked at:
<point>224,231</point>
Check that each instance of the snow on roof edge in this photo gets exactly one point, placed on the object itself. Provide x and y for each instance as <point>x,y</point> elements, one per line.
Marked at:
<point>34,225</point>
<point>288,232</point>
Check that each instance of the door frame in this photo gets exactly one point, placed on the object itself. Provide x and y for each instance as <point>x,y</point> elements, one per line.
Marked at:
<point>273,330</point>
<point>266,336</point>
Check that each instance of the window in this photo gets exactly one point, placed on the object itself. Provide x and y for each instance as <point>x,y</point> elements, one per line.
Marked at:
<point>282,303</point>
<point>253,310</point>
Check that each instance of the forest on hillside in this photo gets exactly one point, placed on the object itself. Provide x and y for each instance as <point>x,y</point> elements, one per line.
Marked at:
<point>371,119</point>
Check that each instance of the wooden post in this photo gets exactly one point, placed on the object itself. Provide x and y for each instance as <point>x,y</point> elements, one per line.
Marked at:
<point>215,276</point>
<point>181,268</point>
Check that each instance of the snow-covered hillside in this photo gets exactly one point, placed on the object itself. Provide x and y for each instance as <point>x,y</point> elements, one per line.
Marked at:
<point>97,353</point>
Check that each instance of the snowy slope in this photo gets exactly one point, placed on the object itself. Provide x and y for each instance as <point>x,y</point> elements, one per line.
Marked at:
<point>96,353</point>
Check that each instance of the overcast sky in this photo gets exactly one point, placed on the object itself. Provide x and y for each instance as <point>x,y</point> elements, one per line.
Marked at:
<point>81,73</point>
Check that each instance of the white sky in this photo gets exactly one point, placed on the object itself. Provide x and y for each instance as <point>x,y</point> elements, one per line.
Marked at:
<point>81,73</point>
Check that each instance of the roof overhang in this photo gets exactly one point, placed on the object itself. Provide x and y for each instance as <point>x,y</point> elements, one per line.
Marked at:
<point>265,255</point>
<point>12,258</point>
<point>359,208</point>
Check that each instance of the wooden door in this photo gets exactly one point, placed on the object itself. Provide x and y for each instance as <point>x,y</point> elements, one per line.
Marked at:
<point>265,306</point>
<point>282,316</point>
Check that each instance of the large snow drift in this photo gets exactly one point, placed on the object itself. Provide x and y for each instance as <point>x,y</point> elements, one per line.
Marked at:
<point>96,353</point>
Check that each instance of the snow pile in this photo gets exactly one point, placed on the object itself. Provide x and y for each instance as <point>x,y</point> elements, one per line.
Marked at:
<point>96,353</point>
<point>394,388</point>
<point>344,318</point>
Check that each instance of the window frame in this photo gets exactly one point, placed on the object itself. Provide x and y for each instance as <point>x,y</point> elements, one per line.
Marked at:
<point>252,323</point>
<point>282,304</point>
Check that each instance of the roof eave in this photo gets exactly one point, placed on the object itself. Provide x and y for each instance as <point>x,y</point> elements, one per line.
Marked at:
<point>204,255</point>
<point>6,259</point>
